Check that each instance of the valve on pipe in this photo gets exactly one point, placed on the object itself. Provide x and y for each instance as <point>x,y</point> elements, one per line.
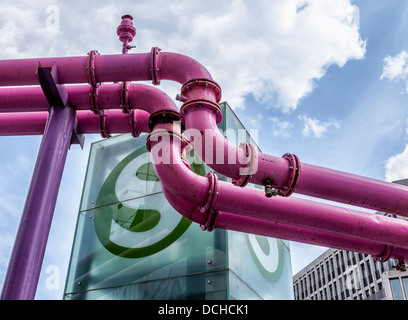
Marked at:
<point>126,31</point>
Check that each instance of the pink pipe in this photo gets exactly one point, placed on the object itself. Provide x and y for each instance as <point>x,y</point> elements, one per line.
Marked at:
<point>313,180</point>
<point>106,96</point>
<point>97,68</point>
<point>230,221</point>
<point>193,188</point>
<point>33,123</point>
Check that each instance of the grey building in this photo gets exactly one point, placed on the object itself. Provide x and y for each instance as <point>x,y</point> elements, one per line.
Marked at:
<point>344,275</point>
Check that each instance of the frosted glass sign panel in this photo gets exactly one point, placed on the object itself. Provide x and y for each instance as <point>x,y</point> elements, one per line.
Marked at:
<point>131,244</point>
<point>128,233</point>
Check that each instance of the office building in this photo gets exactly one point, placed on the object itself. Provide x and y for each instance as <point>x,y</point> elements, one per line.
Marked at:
<point>344,275</point>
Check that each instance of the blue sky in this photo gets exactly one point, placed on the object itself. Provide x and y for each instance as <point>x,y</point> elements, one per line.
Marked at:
<point>300,72</point>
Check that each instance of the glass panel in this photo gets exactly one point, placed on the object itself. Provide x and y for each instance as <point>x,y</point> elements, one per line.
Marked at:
<point>104,156</point>
<point>206,286</point>
<point>405,282</point>
<point>130,233</point>
<point>263,264</point>
<point>396,289</point>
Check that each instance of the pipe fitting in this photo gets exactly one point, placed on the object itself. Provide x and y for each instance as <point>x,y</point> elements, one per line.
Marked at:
<point>164,116</point>
<point>126,31</point>
<point>155,65</point>
<point>90,67</point>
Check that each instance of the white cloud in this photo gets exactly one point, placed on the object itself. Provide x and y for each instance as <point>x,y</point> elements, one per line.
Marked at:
<point>280,128</point>
<point>396,68</point>
<point>396,167</point>
<point>273,50</point>
<point>316,127</point>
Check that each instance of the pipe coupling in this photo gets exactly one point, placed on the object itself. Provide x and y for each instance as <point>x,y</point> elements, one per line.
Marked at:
<point>155,65</point>
<point>385,255</point>
<point>208,208</point>
<point>295,170</point>
<point>160,133</point>
<point>250,164</point>
<point>90,67</point>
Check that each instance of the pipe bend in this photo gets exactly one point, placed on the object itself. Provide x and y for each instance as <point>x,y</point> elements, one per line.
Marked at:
<point>179,68</point>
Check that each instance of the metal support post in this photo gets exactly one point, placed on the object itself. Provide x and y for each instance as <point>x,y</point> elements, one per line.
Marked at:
<point>30,243</point>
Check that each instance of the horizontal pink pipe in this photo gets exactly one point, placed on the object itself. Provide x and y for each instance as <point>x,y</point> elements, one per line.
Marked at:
<point>108,68</point>
<point>314,181</point>
<point>252,202</point>
<point>234,222</point>
<point>33,123</point>
<point>108,96</point>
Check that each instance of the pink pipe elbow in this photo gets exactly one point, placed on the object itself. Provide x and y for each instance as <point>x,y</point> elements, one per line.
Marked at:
<point>97,68</point>
<point>251,202</point>
<point>227,158</point>
<point>224,157</point>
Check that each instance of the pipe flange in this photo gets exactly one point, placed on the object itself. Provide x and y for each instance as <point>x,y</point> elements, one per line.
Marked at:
<point>210,223</point>
<point>124,98</point>
<point>94,96</point>
<point>163,132</point>
<point>204,83</point>
<point>163,116</point>
<point>103,124</point>
<point>91,68</point>
<point>208,208</point>
<point>295,169</point>
<point>250,166</point>
<point>212,193</point>
<point>133,124</point>
<point>385,255</point>
<point>154,65</point>
<point>200,104</point>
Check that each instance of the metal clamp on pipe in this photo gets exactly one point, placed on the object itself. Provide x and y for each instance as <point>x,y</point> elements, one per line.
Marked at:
<point>208,208</point>
<point>154,65</point>
<point>163,132</point>
<point>295,169</point>
<point>94,97</point>
<point>91,68</point>
<point>133,124</point>
<point>385,255</point>
<point>163,116</point>
<point>103,123</point>
<point>198,88</point>
<point>250,167</point>
<point>199,104</point>
<point>124,98</point>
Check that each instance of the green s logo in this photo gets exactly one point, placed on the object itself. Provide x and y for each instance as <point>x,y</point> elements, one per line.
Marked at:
<point>138,221</point>
<point>267,254</point>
